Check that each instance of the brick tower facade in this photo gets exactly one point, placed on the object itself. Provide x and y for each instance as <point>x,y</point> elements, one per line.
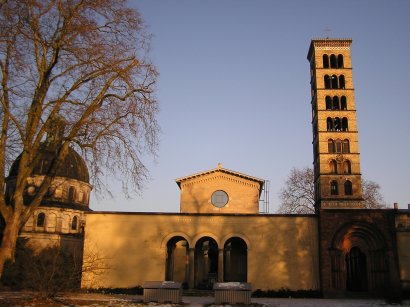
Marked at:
<point>357,246</point>
<point>338,182</point>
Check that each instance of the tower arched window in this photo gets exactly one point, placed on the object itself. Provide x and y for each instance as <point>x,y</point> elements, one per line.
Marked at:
<point>331,146</point>
<point>345,124</point>
<point>333,62</point>
<point>336,105</point>
<point>337,124</point>
<point>343,102</point>
<point>340,63</point>
<point>346,146</point>
<point>327,82</point>
<point>41,219</point>
<point>71,194</point>
<point>347,167</point>
<point>74,223</point>
<point>334,81</point>
<point>333,188</point>
<point>338,146</point>
<point>329,123</point>
<point>348,187</point>
<point>325,61</point>
<point>333,166</point>
<point>328,103</point>
<point>342,81</point>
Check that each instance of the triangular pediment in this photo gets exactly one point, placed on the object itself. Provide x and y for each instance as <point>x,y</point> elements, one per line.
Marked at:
<point>220,170</point>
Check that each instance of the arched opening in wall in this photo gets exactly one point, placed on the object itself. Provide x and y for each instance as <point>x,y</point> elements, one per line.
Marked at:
<point>348,188</point>
<point>336,105</point>
<point>333,62</point>
<point>359,258</point>
<point>74,223</point>
<point>337,124</point>
<point>176,261</point>
<point>338,146</point>
<point>325,61</point>
<point>343,102</point>
<point>333,188</point>
<point>333,167</point>
<point>345,124</point>
<point>235,260</point>
<point>41,220</point>
<point>328,103</point>
<point>346,146</point>
<point>329,124</point>
<point>356,270</point>
<point>342,81</point>
<point>71,194</point>
<point>330,146</point>
<point>347,167</point>
<point>340,63</point>
<point>206,263</point>
<point>327,82</point>
<point>334,82</point>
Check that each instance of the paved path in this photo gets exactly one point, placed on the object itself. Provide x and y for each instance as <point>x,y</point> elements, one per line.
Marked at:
<point>96,299</point>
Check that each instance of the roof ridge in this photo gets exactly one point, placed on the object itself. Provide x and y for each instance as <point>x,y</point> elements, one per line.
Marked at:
<point>218,169</point>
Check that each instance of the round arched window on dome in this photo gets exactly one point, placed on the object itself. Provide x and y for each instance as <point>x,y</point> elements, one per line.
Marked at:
<point>41,218</point>
<point>219,198</point>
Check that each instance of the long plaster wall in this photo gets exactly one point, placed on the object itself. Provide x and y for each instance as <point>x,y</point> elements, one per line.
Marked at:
<point>131,247</point>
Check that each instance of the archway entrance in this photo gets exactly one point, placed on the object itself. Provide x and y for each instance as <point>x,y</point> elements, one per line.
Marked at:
<point>206,263</point>
<point>235,260</point>
<point>176,263</point>
<point>358,259</point>
<point>356,270</point>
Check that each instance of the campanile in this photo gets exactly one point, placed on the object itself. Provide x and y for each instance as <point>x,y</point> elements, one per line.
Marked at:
<point>336,159</point>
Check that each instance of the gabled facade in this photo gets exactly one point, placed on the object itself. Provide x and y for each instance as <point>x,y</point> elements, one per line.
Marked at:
<point>220,191</point>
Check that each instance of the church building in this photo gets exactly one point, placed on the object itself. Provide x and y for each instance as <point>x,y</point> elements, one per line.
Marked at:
<point>220,233</point>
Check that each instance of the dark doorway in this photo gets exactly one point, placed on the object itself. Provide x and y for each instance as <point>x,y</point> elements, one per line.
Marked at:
<point>235,260</point>
<point>206,263</point>
<point>176,263</point>
<point>356,270</point>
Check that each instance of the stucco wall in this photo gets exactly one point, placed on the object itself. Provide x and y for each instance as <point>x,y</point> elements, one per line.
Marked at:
<point>282,250</point>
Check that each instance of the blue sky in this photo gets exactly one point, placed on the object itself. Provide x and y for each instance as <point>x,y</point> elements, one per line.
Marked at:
<point>234,88</point>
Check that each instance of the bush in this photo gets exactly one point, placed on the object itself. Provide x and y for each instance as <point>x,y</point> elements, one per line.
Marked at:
<point>137,290</point>
<point>48,272</point>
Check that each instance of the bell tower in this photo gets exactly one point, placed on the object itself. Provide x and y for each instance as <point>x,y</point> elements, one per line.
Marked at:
<point>336,158</point>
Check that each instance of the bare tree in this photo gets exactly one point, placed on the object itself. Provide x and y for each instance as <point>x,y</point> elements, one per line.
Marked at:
<point>73,73</point>
<point>298,195</point>
<point>372,196</point>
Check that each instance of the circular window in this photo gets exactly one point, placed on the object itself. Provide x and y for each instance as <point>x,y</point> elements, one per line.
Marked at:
<point>219,198</point>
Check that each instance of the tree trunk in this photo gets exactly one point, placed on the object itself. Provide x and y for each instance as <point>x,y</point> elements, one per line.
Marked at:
<point>10,235</point>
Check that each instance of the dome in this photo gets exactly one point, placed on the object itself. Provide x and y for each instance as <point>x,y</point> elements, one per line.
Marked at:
<point>73,166</point>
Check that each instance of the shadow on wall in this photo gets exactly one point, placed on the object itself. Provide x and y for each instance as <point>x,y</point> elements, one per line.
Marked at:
<point>290,248</point>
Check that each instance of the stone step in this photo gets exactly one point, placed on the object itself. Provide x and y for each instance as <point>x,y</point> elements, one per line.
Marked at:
<point>195,292</point>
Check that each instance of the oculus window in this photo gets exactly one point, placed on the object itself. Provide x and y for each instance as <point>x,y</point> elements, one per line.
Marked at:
<point>219,198</point>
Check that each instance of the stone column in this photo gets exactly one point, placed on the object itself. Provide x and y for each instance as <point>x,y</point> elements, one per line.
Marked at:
<point>221,265</point>
<point>191,266</point>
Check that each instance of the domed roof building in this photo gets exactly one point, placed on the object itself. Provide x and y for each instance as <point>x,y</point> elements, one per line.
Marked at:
<point>59,220</point>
